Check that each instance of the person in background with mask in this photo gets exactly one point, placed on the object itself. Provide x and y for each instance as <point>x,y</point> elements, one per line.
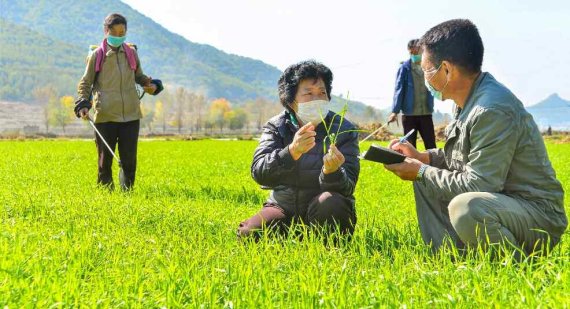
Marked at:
<point>308,186</point>
<point>492,184</point>
<point>413,99</point>
<point>110,76</point>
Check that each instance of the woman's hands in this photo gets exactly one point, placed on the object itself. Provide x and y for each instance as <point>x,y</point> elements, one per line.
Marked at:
<point>303,141</point>
<point>333,160</point>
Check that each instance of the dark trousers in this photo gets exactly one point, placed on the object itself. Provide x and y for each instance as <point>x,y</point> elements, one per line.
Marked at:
<point>328,210</point>
<point>422,124</point>
<point>126,135</point>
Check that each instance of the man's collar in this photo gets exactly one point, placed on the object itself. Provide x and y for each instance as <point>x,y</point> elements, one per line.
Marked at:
<point>474,87</point>
<point>110,48</point>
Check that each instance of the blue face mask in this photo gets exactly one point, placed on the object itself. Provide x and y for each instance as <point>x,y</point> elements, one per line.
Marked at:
<point>416,58</point>
<point>435,93</point>
<point>116,41</point>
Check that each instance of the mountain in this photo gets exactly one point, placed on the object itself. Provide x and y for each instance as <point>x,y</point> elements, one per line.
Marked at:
<point>71,26</point>
<point>29,59</point>
<point>552,111</point>
<point>46,42</point>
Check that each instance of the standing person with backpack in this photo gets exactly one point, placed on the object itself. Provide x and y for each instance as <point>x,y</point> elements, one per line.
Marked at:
<point>109,80</point>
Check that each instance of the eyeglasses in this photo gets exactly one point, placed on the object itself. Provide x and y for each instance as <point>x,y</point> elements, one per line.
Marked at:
<point>431,72</point>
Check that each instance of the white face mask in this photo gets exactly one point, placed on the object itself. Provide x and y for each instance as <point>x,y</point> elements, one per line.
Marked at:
<point>312,110</point>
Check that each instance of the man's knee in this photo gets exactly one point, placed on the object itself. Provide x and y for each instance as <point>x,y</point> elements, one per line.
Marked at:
<point>468,215</point>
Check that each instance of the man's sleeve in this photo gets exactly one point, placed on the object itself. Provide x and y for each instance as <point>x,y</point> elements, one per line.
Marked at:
<point>437,158</point>
<point>140,77</point>
<point>399,91</point>
<point>85,86</point>
<point>86,82</point>
<point>492,137</point>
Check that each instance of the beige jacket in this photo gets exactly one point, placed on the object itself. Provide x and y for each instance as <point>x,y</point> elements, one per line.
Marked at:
<point>114,94</point>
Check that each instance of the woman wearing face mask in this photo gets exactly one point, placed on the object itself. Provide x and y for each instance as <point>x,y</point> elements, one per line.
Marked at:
<point>110,76</point>
<point>307,185</point>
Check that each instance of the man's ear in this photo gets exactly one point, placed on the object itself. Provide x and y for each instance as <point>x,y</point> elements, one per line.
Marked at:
<point>450,70</point>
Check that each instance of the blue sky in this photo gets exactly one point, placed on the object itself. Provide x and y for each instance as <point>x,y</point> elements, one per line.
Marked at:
<point>527,43</point>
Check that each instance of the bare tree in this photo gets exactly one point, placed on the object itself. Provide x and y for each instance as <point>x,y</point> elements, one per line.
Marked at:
<point>147,119</point>
<point>160,115</point>
<point>163,109</point>
<point>61,112</point>
<point>261,107</point>
<point>199,108</point>
<point>220,112</point>
<point>180,106</point>
<point>190,98</point>
<point>46,96</point>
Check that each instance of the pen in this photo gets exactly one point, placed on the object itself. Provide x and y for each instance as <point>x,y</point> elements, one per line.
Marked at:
<point>405,137</point>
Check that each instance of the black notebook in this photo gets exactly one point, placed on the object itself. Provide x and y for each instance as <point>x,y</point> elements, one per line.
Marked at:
<point>383,155</point>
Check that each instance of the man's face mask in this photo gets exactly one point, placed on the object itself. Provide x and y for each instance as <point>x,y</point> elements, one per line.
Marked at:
<point>435,93</point>
<point>116,41</point>
<point>416,58</point>
<point>312,110</point>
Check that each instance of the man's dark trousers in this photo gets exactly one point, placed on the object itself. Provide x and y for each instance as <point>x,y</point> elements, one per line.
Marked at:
<point>422,124</point>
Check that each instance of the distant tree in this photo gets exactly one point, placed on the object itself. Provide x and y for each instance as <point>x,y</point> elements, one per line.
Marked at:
<point>163,112</point>
<point>220,112</point>
<point>190,115</point>
<point>237,119</point>
<point>370,113</point>
<point>159,115</point>
<point>45,96</point>
<point>249,110</point>
<point>273,109</point>
<point>261,107</point>
<point>199,107</point>
<point>208,125</point>
<point>147,116</point>
<point>180,108</point>
<point>61,112</point>
<point>380,116</point>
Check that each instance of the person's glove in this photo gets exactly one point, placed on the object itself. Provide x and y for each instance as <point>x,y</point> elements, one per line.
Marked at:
<point>159,86</point>
<point>79,105</point>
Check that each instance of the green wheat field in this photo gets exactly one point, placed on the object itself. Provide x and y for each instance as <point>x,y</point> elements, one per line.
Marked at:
<point>172,243</point>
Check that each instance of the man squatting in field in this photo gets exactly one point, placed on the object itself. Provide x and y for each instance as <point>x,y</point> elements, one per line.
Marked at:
<point>492,183</point>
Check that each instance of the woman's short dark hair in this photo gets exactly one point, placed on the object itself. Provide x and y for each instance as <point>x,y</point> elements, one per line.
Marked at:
<point>457,41</point>
<point>114,19</point>
<point>290,79</point>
